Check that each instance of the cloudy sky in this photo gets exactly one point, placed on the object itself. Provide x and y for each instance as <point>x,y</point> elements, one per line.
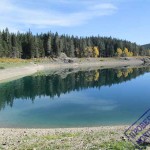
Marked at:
<point>125,19</point>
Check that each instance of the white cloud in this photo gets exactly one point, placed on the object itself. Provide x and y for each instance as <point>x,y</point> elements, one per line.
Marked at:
<point>91,103</point>
<point>18,17</point>
<point>107,6</point>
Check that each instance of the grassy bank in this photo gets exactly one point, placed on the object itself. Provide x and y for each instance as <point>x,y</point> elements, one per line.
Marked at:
<point>6,63</point>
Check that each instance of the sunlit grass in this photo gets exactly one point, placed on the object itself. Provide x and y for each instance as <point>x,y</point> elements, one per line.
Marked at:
<point>9,62</point>
<point>13,60</point>
<point>6,62</point>
<point>16,62</point>
<point>117,145</point>
<point>60,136</point>
<point>65,141</point>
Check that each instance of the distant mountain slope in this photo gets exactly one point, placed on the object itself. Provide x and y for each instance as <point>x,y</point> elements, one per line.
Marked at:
<point>146,46</point>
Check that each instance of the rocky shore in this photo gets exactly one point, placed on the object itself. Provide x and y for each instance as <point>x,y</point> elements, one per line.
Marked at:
<point>63,139</point>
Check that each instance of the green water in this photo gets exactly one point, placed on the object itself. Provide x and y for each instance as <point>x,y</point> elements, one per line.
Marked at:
<point>71,98</point>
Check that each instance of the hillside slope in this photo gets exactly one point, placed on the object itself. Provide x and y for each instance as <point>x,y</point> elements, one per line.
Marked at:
<point>146,46</point>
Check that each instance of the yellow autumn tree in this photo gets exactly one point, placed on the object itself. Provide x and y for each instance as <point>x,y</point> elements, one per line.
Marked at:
<point>127,72</point>
<point>119,52</point>
<point>88,52</point>
<point>130,54</point>
<point>96,76</point>
<point>130,70</point>
<point>85,52</point>
<point>91,52</point>
<point>127,53</point>
<point>119,73</point>
<point>95,51</point>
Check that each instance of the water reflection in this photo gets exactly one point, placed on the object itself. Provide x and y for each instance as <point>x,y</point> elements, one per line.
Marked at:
<point>48,84</point>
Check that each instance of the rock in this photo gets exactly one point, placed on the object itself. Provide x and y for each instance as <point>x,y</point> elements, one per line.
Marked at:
<point>146,60</point>
<point>63,56</point>
<point>123,138</point>
<point>65,61</point>
<point>68,61</point>
<point>4,144</point>
<point>124,58</point>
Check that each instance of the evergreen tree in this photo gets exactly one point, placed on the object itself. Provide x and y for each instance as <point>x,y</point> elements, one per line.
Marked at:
<point>1,46</point>
<point>14,46</point>
<point>57,45</point>
<point>48,46</point>
<point>71,47</point>
<point>27,45</point>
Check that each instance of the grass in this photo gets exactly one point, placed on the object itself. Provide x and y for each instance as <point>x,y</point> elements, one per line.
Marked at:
<point>117,145</point>
<point>1,148</point>
<point>95,140</point>
<point>9,62</point>
<point>48,142</point>
<point>15,62</point>
<point>60,136</point>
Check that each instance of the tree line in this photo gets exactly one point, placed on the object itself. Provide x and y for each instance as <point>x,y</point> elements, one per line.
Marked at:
<point>55,85</point>
<point>28,45</point>
<point>147,49</point>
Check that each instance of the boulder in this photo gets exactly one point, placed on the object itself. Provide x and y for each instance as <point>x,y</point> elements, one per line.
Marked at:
<point>146,60</point>
<point>63,56</point>
<point>68,60</point>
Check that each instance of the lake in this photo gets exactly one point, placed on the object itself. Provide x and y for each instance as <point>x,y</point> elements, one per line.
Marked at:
<point>75,98</point>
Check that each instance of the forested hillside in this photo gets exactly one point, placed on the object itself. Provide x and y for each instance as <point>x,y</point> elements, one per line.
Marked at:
<point>146,47</point>
<point>27,45</point>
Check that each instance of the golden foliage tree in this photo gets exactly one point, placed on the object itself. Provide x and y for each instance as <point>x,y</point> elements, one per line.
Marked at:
<point>91,52</point>
<point>127,53</point>
<point>119,74</point>
<point>124,73</point>
<point>119,52</point>
<point>95,51</point>
<point>96,76</point>
<point>130,54</point>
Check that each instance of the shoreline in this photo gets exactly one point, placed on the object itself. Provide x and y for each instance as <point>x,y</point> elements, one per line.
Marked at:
<point>68,128</point>
<point>72,138</point>
<point>103,63</point>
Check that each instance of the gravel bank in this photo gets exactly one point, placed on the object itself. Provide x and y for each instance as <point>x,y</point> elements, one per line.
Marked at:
<point>65,138</point>
<point>18,72</point>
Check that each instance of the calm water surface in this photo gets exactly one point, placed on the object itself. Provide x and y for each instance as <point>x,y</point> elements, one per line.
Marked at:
<point>76,99</point>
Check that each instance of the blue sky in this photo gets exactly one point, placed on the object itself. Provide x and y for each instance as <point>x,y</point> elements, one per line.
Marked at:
<point>124,19</point>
